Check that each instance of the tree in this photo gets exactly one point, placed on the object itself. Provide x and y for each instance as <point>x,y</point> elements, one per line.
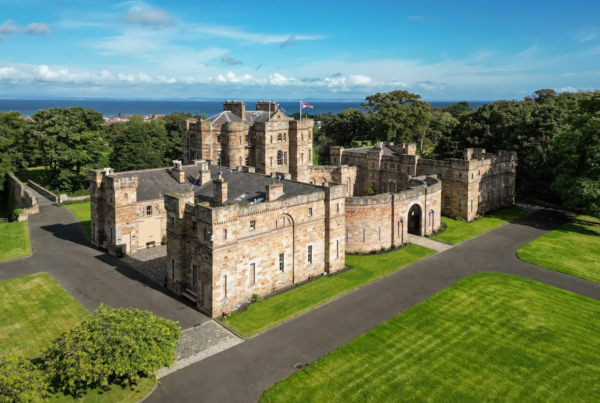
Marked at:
<point>16,147</point>
<point>458,109</point>
<point>578,156</point>
<point>20,380</point>
<point>174,127</point>
<point>70,145</point>
<point>113,346</point>
<point>140,145</point>
<point>348,128</point>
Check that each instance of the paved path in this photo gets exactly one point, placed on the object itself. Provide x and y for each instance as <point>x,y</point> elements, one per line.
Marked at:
<point>61,249</point>
<point>243,372</point>
<point>41,200</point>
<point>429,243</point>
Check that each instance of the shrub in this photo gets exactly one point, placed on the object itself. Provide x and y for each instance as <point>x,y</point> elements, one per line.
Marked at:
<point>20,380</point>
<point>256,298</point>
<point>164,239</point>
<point>459,218</point>
<point>370,191</point>
<point>18,212</point>
<point>113,346</point>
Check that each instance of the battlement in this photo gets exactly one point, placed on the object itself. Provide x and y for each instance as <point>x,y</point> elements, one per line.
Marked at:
<point>121,182</point>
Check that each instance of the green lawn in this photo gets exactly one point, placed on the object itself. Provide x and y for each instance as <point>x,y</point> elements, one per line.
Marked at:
<point>34,310</point>
<point>488,338</point>
<point>14,241</point>
<point>459,231</point>
<point>574,249</point>
<point>272,311</point>
<point>84,215</point>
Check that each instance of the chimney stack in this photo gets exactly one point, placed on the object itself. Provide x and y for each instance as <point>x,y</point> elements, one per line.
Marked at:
<point>274,191</point>
<point>219,191</point>
<point>177,172</point>
<point>204,173</point>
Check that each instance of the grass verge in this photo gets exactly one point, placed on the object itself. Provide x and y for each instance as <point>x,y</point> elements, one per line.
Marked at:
<point>263,315</point>
<point>14,241</point>
<point>459,231</point>
<point>574,249</point>
<point>83,213</point>
<point>488,338</point>
<point>34,310</point>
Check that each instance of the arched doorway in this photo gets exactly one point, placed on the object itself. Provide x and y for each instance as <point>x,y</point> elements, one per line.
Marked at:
<point>414,220</point>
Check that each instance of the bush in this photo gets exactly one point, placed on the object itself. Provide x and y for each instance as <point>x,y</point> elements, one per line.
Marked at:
<point>460,219</point>
<point>164,239</point>
<point>20,380</point>
<point>113,346</point>
<point>370,191</point>
<point>18,212</point>
<point>256,298</point>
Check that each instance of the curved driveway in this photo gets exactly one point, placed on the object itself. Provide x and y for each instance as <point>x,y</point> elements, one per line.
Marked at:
<point>243,372</point>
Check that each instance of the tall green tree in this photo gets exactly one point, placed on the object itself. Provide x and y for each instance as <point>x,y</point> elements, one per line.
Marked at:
<point>140,145</point>
<point>458,109</point>
<point>13,143</point>
<point>70,144</point>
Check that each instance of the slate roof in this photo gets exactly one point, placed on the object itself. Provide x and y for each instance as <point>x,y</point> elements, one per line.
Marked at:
<point>363,150</point>
<point>251,117</point>
<point>242,187</point>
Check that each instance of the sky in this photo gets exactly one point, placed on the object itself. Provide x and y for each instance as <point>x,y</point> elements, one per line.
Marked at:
<point>442,50</point>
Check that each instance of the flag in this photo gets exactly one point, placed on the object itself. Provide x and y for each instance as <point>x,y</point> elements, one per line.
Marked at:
<point>306,105</point>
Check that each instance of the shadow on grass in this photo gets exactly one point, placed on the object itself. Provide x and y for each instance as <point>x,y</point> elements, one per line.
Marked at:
<point>546,220</point>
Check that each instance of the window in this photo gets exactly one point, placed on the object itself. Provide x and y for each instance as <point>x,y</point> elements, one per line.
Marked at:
<point>271,162</point>
<point>302,158</point>
<point>194,225</point>
<point>194,274</point>
<point>310,254</point>
<point>337,248</point>
<point>240,160</point>
<point>459,205</point>
<point>225,285</point>
<point>218,160</point>
<point>285,139</point>
<point>205,234</point>
<point>471,205</point>
<point>126,196</point>
<point>338,207</point>
<point>246,138</point>
<point>173,269</point>
<point>252,224</point>
<point>148,210</point>
<point>225,233</point>
<point>240,139</point>
<point>279,138</point>
<point>279,158</point>
<point>309,154</point>
<point>271,139</point>
<point>252,273</point>
<point>447,201</point>
<point>247,160</point>
<point>310,211</point>
<point>281,262</point>
<point>219,139</point>
<point>285,158</point>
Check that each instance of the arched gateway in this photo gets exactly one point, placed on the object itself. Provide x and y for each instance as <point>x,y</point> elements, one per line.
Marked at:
<point>415,215</point>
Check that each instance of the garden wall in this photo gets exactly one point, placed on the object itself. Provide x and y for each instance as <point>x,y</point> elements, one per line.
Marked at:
<point>24,199</point>
<point>61,198</point>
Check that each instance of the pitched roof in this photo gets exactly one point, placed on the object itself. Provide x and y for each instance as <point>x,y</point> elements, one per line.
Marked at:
<point>242,187</point>
<point>363,150</point>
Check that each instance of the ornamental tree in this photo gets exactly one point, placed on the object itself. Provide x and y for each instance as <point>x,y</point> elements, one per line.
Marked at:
<point>113,346</point>
<point>20,380</point>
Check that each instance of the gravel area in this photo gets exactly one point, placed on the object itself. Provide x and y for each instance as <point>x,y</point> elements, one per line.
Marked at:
<point>199,343</point>
<point>150,262</point>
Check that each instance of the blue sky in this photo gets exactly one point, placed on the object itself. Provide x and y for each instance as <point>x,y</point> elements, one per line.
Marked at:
<point>459,50</point>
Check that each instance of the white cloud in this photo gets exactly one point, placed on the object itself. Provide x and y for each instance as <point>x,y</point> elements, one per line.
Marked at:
<point>36,28</point>
<point>155,18</point>
<point>572,89</point>
<point>9,27</point>
<point>587,34</point>
<point>279,79</point>
<point>251,37</point>
<point>357,79</point>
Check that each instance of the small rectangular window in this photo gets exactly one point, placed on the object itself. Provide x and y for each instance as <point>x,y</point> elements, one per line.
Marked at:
<point>252,224</point>
<point>337,248</point>
<point>338,207</point>
<point>148,210</point>
<point>447,201</point>
<point>252,273</point>
<point>194,274</point>
<point>281,262</point>
<point>219,139</point>
<point>225,234</point>
<point>309,253</point>
<point>310,211</point>
<point>225,285</point>
<point>173,269</point>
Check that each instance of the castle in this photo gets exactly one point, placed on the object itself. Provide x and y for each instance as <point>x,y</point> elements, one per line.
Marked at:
<point>247,212</point>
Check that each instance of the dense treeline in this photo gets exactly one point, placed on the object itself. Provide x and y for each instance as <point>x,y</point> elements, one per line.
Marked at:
<point>556,137</point>
<point>69,142</point>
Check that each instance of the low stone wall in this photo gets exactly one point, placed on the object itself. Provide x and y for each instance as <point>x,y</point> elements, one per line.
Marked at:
<point>61,198</point>
<point>43,191</point>
<point>24,199</point>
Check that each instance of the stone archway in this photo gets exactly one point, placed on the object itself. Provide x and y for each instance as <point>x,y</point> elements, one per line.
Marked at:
<point>415,217</point>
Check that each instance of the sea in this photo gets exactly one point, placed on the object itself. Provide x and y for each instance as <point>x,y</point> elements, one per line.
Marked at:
<point>112,107</point>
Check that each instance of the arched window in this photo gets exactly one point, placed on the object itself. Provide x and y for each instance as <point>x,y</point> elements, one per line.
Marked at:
<point>279,137</point>
<point>279,158</point>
